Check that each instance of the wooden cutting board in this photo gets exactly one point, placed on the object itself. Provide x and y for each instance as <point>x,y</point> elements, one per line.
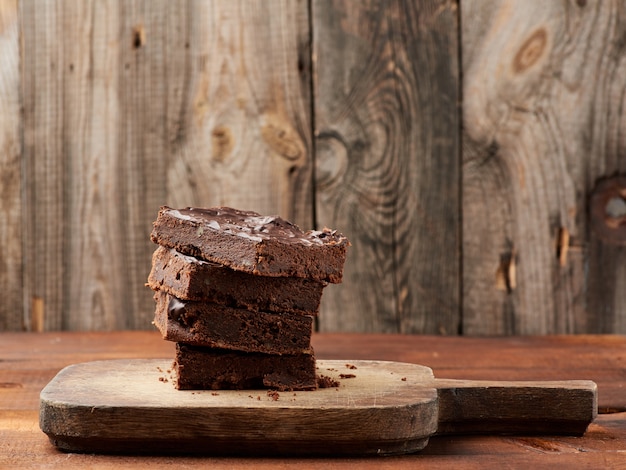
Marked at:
<point>379,407</point>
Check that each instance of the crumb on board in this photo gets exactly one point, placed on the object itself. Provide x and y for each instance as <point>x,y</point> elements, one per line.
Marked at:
<point>351,366</point>
<point>273,394</point>
<point>347,376</point>
<point>324,381</point>
<point>403,379</point>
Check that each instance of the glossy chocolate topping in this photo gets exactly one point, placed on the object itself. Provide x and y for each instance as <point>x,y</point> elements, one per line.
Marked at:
<point>251,225</point>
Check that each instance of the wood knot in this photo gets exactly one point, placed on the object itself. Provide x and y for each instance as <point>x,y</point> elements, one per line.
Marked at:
<point>540,445</point>
<point>221,143</point>
<point>608,210</point>
<point>281,141</point>
<point>506,278</point>
<point>139,37</point>
<point>10,385</point>
<point>531,51</point>
<point>332,162</point>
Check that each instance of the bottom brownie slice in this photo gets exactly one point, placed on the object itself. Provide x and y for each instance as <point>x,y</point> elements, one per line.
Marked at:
<point>200,368</point>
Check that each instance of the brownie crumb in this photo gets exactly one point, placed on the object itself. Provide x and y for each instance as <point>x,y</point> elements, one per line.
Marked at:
<point>273,394</point>
<point>403,379</point>
<point>351,366</point>
<point>324,381</point>
<point>347,376</point>
<point>214,394</point>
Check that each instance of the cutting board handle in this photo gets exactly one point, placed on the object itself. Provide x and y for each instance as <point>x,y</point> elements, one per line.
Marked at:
<point>498,407</point>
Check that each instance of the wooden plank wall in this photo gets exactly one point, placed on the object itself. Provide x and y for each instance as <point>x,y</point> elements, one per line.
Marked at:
<point>387,145</point>
<point>456,143</point>
<point>11,264</point>
<point>543,122</point>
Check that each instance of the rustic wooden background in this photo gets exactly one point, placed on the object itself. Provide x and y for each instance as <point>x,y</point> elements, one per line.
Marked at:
<point>456,143</point>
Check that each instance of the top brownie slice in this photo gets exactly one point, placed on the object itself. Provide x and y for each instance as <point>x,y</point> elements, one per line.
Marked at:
<point>249,242</point>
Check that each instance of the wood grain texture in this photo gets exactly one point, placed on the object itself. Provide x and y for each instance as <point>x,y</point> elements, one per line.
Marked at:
<point>386,127</point>
<point>11,311</point>
<point>606,298</point>
<point>522,408</point>
<point>543,93</point>
<point>384,408</point>
<point>132,105</point>
<point>44,162</point>
<point>32,360</point>
<point>113,108</point>
<point>242,133</point>
<point>94,101</point>
<point>24,445</point>
<point>132,406</point>
<point>151,35</point>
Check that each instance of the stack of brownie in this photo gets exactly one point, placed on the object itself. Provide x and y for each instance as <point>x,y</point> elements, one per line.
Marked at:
<point>238,293</point>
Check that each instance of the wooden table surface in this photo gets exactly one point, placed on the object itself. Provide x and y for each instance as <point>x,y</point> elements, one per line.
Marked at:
<point>29,360</point>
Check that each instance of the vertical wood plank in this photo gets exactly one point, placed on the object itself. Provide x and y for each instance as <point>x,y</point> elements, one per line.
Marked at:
<point>44,163</point>
<point>605,147</point>
<point>387,170</point>
<point>542,98</point>
<point>95,103</point>
<point>244,130</point>
<point>89,113</point>
<point>151,34</point>
<point>11,311</point>
<point>607,289</point>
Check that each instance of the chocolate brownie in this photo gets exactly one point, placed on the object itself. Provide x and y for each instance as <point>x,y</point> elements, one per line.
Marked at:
<point>190,278</point>
<point>248,242</point>
<point>213,369</point>
<point>217,326</point>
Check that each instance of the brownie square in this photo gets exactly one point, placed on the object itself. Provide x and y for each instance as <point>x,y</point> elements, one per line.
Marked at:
<point>198,368</point>
<point>246,241</point>
<point>189,278</point>
<point>218,326</point>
